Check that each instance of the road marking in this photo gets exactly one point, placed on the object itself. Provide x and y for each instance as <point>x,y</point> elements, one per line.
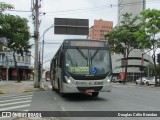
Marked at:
<point>14,99</point>
<point>5,96</point>
<point>15,103</point>
<point>50,86</point>
<point>15,107</point>
<point>55,98</point>
<point>63,109</point>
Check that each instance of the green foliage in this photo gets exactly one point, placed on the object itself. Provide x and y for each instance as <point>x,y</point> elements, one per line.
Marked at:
<point>122,38</point>
<point>4,6</point>
<point>151,69</point>
<point>151,21</point>
<point>151,25</point>
<point>16,30</point>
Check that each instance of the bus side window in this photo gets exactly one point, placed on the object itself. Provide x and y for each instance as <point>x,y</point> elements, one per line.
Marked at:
<point>60,59</point>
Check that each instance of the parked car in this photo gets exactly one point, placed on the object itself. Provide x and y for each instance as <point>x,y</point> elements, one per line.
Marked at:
<point>151,81</point>
<point>117,79</point>
<point>138,81</point>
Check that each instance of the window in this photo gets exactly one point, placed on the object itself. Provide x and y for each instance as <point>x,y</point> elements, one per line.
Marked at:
<point>27,58</point>
<point>18,58</point>
<point>23,58</point>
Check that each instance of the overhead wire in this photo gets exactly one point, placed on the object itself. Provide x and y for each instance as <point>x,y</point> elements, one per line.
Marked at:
<point>90,9</point>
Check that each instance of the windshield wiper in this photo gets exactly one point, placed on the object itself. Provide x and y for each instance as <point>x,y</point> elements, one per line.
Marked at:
<point>83,55</point>
<point>94,54</point>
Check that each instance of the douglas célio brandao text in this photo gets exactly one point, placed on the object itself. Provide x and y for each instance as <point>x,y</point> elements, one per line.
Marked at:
<point>134,114</point>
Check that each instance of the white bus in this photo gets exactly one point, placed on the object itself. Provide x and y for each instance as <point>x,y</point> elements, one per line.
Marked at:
<point>81,65</point>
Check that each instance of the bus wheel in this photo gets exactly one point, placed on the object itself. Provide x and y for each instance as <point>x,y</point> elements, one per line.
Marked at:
<point>62,94</point>
<point>58,87</point>
<point>95,94</point>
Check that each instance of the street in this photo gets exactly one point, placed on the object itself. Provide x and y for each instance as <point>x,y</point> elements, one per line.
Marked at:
<point>121,98</point>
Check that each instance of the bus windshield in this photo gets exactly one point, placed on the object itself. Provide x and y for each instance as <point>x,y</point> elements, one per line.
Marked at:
<point>87,61</point>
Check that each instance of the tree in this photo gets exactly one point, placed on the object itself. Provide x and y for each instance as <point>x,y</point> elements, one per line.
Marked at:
<point>16,30</point>
<point>150,70</point>
<point>4,6</point>
<point>151,26</point>
<point>122,38</point>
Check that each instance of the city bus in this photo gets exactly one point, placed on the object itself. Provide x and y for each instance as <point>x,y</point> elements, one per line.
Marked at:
<point>81,66</point>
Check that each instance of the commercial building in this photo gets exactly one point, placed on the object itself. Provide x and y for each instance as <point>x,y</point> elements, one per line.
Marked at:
<point>100,27</point>
<point>134,64</point>
<point>130,6</point>
<point>7,64</point>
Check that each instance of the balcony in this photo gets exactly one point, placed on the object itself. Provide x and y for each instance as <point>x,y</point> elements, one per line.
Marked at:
<point>6,59</point>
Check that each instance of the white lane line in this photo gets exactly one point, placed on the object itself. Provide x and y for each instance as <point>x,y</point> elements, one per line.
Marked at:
<point>14,107</point>
<point>26,110</point>
<point>63,109</point>
<point>2,101</point>
<point>15,103</point>
<point>50,86</point>
<point>13,96</point>
<point>55,98</point>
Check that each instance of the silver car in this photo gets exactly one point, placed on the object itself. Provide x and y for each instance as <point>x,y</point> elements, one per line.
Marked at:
<point>151,81</point>
<point>138,81</point>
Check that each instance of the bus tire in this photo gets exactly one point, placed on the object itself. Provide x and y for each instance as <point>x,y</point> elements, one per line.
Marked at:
<point>59,89</point>
<point>62,94</point>
<point>95,94</point>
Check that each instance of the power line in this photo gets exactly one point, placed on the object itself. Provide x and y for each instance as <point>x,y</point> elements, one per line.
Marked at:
<point>53,43</point>
<point>90,9</point>
<point>19,10</point>
<point>101,7</point>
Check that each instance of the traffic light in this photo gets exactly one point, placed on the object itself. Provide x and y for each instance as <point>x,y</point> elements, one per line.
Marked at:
<point>158,58</point>
<point>141,68</point>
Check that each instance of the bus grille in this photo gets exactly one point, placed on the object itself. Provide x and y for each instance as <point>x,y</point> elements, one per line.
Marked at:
<point>89,77</point>
<point>83,89</point>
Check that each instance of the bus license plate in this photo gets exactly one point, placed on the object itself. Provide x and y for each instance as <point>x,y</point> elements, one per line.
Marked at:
<point>89,90</point>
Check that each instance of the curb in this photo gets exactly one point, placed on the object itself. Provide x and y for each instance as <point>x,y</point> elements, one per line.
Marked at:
<point>19,87</point>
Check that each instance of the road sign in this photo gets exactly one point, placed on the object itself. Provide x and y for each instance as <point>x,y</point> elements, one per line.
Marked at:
<point>71,26</point>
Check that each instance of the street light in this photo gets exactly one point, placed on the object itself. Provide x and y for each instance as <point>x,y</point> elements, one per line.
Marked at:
<point>43,43</point>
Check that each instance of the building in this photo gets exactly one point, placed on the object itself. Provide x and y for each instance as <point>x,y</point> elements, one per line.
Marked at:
<point>133,7</point>
<point>134,64</point>
<point>7,65</point>
<point>130,6</point>
<point>100,27</point>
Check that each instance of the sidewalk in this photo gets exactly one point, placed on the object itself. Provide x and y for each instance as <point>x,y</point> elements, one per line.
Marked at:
<point>18,87</point>
<point>9,87</point>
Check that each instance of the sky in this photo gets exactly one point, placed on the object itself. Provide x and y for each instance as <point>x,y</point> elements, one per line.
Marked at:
<point>79,9</point>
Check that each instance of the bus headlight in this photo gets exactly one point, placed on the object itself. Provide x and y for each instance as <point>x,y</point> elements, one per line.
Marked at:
<point>68,80</point>
<point>109,80</point>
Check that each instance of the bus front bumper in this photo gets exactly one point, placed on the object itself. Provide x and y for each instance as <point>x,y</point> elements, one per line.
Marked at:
<point>71,88</point>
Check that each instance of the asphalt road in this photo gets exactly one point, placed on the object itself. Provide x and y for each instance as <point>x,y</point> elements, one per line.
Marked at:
<point>122,98</point>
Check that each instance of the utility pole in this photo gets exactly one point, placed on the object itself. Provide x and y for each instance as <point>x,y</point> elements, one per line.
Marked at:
<point>36,38</point>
